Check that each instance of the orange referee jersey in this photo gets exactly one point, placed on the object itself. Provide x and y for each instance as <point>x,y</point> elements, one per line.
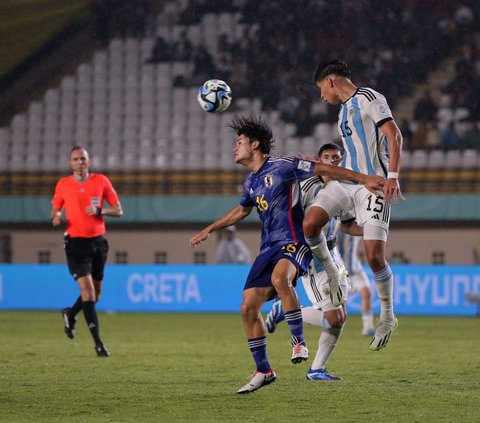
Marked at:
<point>75,196</point>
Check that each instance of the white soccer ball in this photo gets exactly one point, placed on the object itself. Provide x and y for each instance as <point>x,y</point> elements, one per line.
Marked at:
<point>214,96</point>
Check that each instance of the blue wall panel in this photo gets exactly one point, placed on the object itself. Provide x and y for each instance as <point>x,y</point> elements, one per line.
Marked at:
<point>427,290</point>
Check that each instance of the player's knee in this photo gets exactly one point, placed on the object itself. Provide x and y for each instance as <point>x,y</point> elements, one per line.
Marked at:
<point>334,320</point>
<point>376,260</point>
<point>314,221</point>
<point>280,284</point>
<point>89,296</point>
<point>311,227</point>
<point>337,323</point>
<point>248,311</point>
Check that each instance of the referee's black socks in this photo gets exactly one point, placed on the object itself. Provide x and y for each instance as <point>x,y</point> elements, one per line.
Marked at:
<point>91,318</point>
<point>77,307</point>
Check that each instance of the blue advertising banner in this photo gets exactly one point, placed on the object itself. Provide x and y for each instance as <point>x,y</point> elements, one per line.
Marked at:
<point>425,290</point>
<point>428,290</point>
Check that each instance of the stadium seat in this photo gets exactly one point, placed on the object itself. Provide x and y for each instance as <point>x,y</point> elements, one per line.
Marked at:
<point>419,159</point>
<point>436,159</point>
<point>406,158</point>
<point>453,159</point>
<point>470,159</point>
<point>322,132</point>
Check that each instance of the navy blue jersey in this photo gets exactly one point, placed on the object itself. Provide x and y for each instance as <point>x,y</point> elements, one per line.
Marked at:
<point>275,194</point>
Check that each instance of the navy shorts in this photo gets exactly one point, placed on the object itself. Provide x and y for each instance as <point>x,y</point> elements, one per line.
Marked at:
<point>260,274</point>
<point>86,256</point>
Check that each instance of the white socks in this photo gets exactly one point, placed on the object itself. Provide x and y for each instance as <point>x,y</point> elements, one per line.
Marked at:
<point>318,245</point>
<point>384,284</point>
<point>328,338</point>
<point>367,319</point>
<point>326,345</point>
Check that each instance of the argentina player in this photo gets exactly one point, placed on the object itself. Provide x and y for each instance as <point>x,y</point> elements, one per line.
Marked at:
<point>373,143</point>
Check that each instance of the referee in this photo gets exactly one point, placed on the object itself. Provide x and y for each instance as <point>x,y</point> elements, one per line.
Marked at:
<point>82,196</point>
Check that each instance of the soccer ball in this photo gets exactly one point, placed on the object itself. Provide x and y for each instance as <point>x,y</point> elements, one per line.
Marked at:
<point>214,96</point>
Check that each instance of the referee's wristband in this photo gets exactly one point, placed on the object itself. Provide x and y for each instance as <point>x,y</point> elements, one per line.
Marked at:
<point>392,175</point>
<point>99,211</point>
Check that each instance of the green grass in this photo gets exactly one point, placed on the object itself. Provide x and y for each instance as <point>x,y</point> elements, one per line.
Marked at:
<point>188,367</point>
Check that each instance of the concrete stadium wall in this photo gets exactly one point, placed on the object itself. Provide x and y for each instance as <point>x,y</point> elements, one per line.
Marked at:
<point>417,245</point>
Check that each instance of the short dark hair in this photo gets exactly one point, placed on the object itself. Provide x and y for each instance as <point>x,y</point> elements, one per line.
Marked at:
<point>255,128</point>
<point>335,67</point>
<point>77,147</point>
<point>329,146</point>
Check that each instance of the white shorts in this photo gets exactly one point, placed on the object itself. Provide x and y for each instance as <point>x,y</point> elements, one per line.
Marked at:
<point>315,283</point>
<point>358,281</point>
<point>338,198</point>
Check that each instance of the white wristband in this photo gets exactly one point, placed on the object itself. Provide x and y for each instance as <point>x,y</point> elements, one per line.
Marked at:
<point>392,175</point>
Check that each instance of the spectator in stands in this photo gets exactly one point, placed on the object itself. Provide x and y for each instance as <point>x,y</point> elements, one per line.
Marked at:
<point>232,249</point>
<point>406,132</point>
<point>161,51</point>
<point>224,57</point>
<point>304,120</point>
<point>471,138</point>
<point>425,109</point>
<point>464,19</point>
<point>419,138</point>
<point>238,79</point>
<point>183,48</point>
<point>288,106</point>
<point>82,196</point>
<point>432,140</point>
<point>203,66</point>
<point>449,139</point>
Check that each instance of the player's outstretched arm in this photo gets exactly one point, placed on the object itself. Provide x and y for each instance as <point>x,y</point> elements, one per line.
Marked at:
<point>230,218</point>
<point>373,183</point>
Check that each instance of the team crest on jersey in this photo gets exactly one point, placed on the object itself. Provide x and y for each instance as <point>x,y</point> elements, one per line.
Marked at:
<point>268,180</point>
<point>381,109</point>
<point>351,112</point>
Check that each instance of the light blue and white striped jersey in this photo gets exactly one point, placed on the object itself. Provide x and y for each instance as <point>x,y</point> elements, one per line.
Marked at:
<point>359,121</point>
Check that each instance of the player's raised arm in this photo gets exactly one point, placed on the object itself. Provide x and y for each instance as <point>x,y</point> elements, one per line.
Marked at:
<point>230,218</point>
<point>373,183</point>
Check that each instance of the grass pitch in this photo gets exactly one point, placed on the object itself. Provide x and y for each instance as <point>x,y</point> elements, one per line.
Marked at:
<point>188,367</point>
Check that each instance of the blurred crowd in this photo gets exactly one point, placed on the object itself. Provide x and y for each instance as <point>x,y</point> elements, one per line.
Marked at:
<point>389,46</point>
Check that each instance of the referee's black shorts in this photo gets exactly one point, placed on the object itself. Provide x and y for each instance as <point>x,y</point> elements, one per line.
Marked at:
<point>86,256</point>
